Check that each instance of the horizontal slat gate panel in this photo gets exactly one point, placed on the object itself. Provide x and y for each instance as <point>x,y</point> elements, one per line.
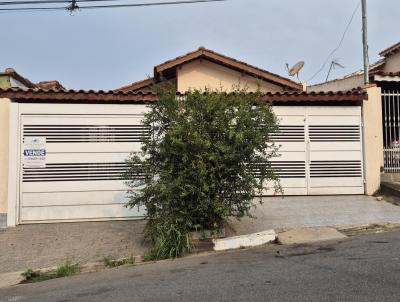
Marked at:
<point>335,169</point>
<point>76,172</point>
<point>83,178</point>
<point>335,151</point>
<point>339,133</point>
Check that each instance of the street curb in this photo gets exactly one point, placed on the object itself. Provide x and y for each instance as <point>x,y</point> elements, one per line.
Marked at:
<point>309,235</point>
<point>231,243</point>
<point>244,241</point>
<point>15,278</point>
<point>352,230</point>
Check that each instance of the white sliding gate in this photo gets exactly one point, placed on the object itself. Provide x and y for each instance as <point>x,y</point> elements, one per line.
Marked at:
<point>86,149</point>
<point>86,145</point>
<point>321,150</point>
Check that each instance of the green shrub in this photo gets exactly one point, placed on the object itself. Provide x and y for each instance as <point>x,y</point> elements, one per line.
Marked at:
<point>67,269</point>
<point>207,155</point>
<point>36,276</point>
<point>170,242</point>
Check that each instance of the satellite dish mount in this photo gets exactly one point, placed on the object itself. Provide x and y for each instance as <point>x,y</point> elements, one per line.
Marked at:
<point>294,71</point>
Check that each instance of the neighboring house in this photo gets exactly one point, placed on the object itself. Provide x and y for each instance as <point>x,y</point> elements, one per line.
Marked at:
<point>8,79</point>
<point>11,78</point>
<point>385,73</point>
<point>87,135</point>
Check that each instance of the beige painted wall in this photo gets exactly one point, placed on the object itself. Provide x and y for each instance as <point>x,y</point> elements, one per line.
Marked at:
<point>373,138</point>
<point>338,85</point>
<point>4,130</point>
<point>201,74</point>
<point>392,63</point>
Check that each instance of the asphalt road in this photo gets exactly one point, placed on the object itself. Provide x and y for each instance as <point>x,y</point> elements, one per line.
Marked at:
<point>366,268</point>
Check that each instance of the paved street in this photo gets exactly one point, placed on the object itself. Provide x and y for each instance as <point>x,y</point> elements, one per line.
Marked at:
<point>365,268</point>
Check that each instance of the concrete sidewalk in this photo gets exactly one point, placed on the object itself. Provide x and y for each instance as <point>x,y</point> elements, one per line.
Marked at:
<point>313,211</point>
<point>44,245</point>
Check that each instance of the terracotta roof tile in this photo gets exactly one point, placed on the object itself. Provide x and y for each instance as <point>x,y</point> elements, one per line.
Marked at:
<point>136,85</point>
<point>49,84</point>
<point>358,94</point>
<point>52,94</point>
<point>82,96</point>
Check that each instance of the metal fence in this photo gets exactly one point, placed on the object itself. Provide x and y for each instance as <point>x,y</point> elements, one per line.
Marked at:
<point>391,130</point>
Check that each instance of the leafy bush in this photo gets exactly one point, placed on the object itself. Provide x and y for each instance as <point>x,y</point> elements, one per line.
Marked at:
<point>207,155</point>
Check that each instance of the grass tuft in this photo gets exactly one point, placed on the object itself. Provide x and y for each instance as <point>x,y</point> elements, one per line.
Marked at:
<point>64,270</point>
<point>109,262</point>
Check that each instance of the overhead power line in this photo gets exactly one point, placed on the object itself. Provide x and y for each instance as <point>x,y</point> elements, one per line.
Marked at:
<point>21,9</point>
<point>339,44</point>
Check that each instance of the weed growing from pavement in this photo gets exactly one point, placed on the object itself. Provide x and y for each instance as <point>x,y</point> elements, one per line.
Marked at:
<point>64,270</point>
<point>109,262</point>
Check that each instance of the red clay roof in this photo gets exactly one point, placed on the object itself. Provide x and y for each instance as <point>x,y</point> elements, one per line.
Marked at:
<point>50,84</point>
<point>137,85</point>
<point>358,94</point>
<point>390,50</point>
<point>219,59</point>
<point>82,96</point>
<point>78,96</point>
<point>229,62</point>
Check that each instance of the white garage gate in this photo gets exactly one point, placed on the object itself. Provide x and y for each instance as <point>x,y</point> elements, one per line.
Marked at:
<point>86,149</point>
<point>320,150</point>
<point>321,153</point>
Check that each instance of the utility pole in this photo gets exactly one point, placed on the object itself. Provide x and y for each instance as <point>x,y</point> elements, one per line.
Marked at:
<point>365,41</point>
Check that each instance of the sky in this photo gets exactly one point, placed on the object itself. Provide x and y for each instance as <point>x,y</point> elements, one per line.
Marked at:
<point>109,48</point>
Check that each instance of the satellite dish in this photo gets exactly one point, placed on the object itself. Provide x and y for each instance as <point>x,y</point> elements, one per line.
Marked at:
<point>294,71</point>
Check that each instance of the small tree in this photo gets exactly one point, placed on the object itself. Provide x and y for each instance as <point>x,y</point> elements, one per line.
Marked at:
<point>206,158</point>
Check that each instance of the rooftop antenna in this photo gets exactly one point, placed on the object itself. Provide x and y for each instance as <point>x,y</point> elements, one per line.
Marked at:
<point>294,71</point>
<point>73,6</point>
<point>335,63</point>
